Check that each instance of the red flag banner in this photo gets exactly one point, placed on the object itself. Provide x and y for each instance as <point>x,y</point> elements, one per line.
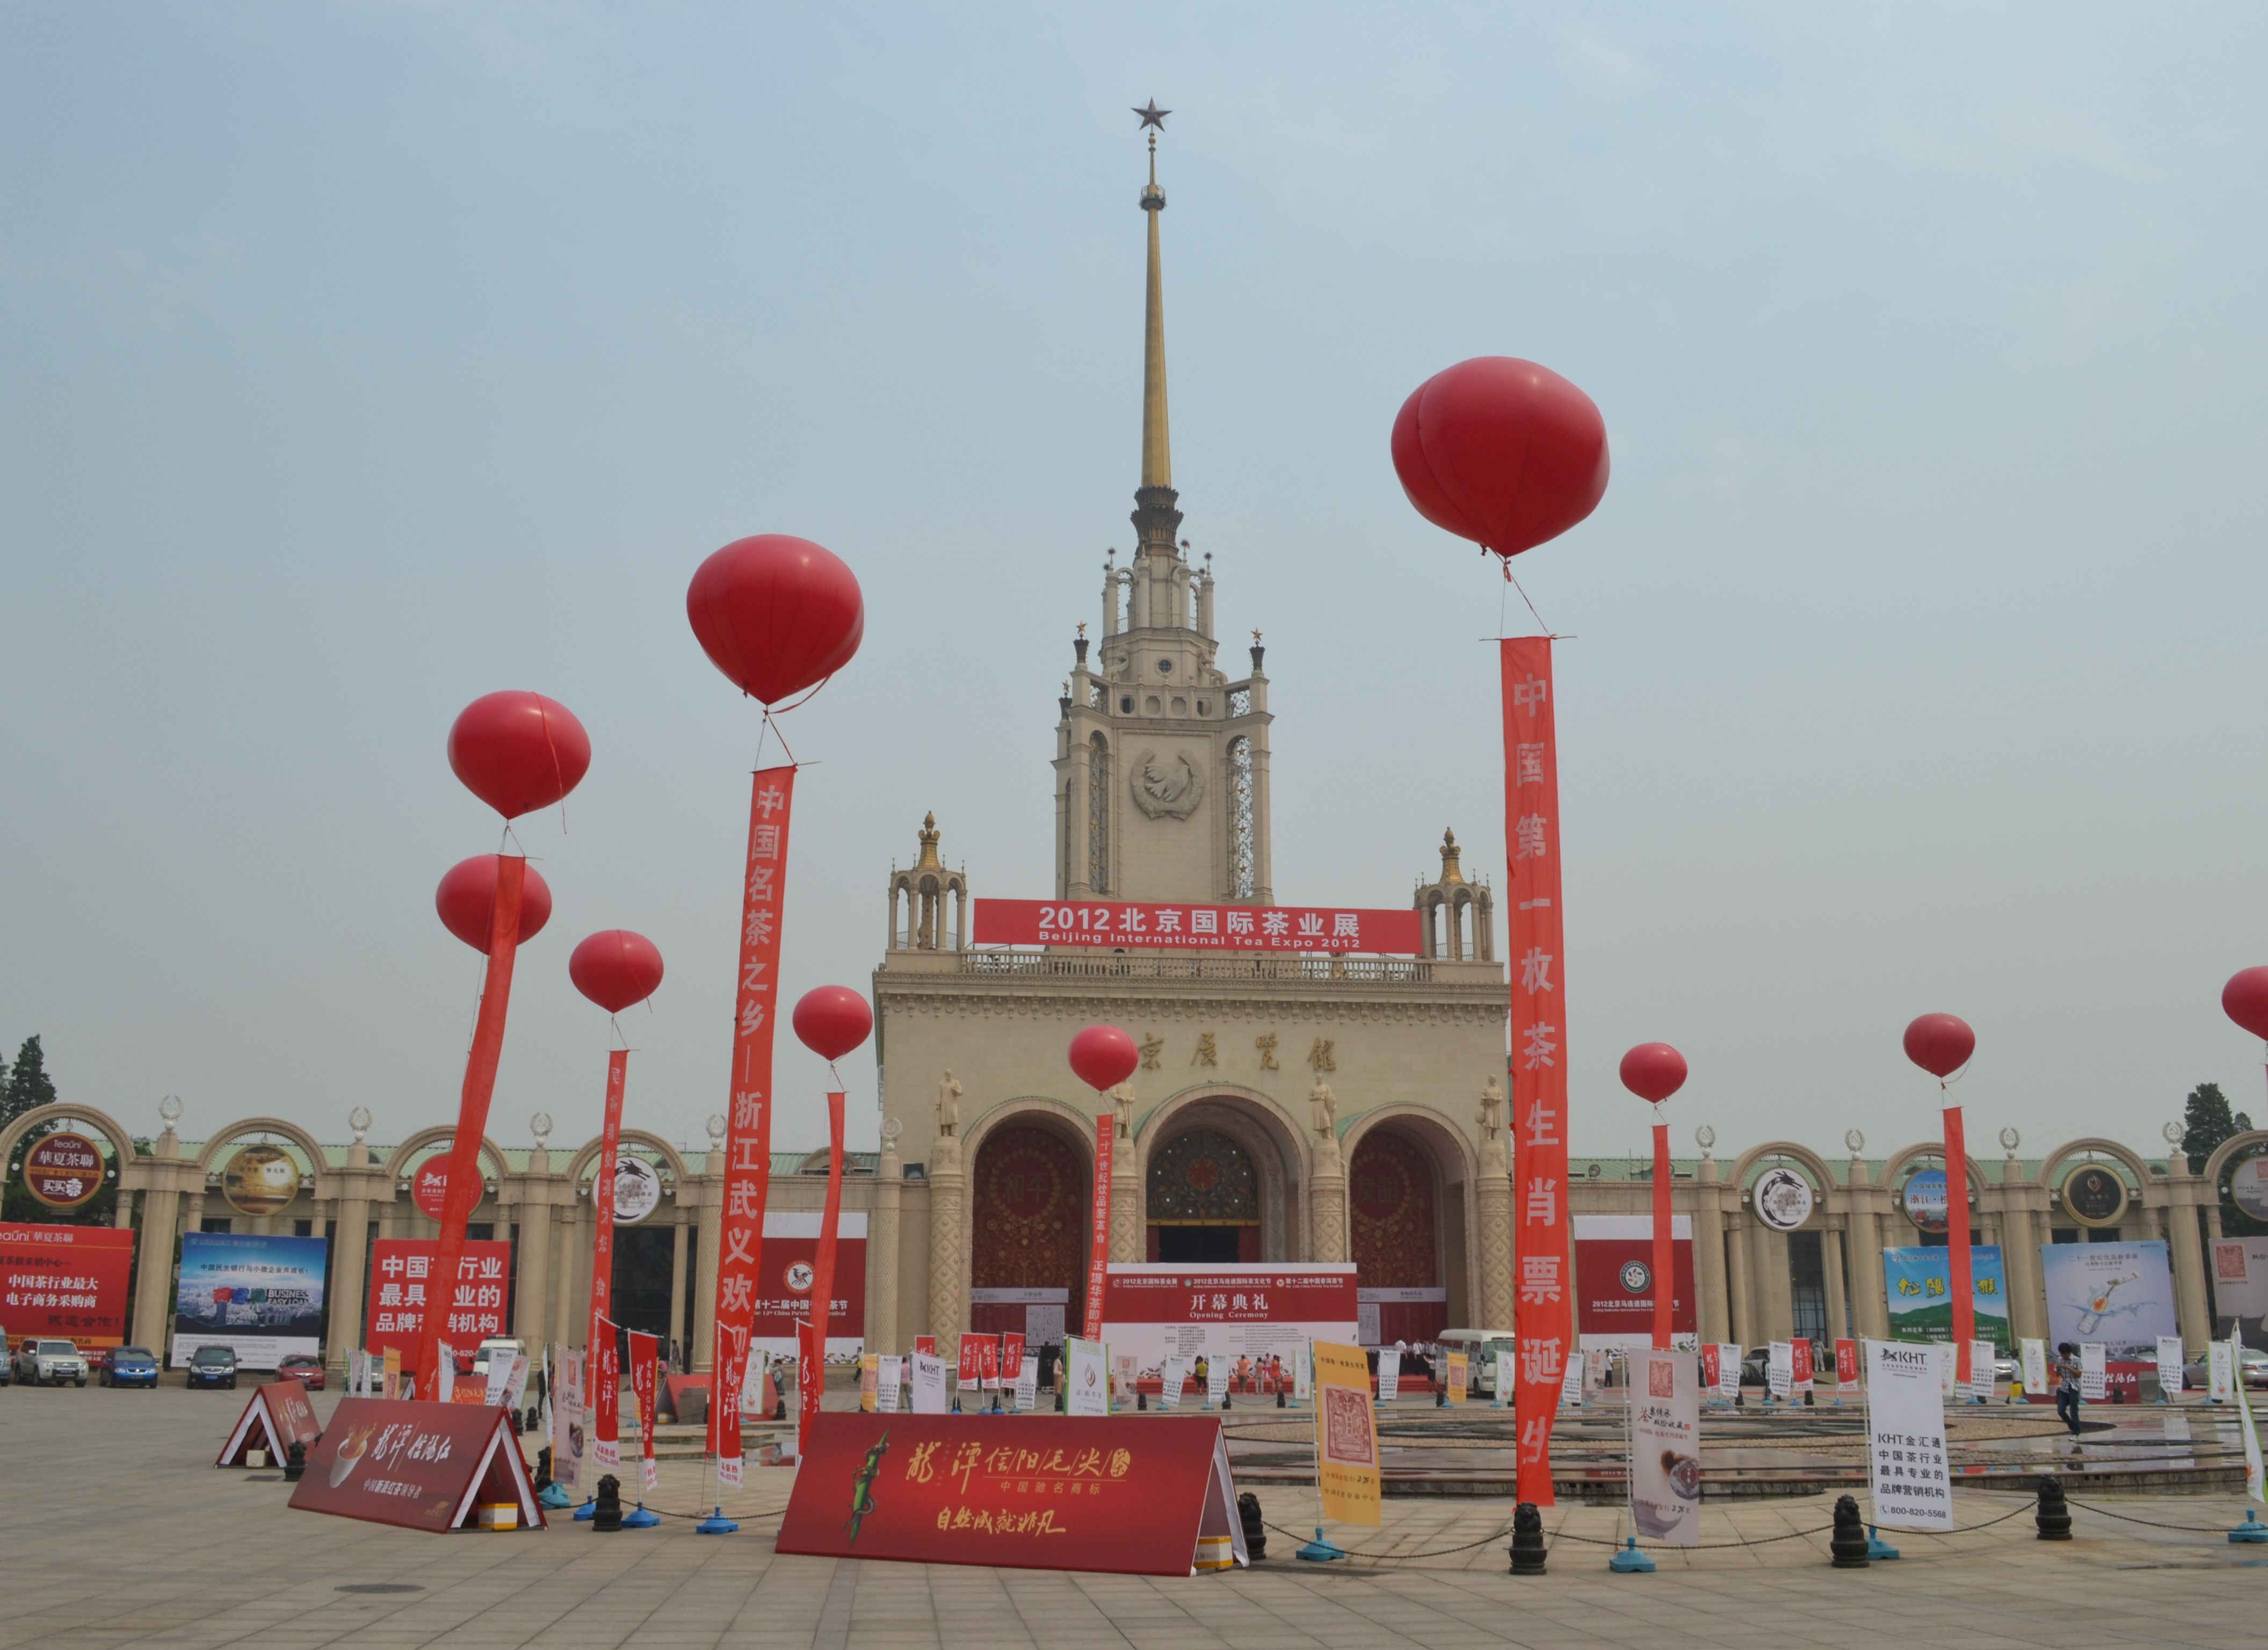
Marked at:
<point>602,1197</point>
<point>606,1393</point>
<point>464,1171</point>
<point>822,1280</point>
<point>1956,1242</point>
<point>645,1358</point>
<point>1012,1358</point>
<point>972,1368</point>
<point>1800,1363</point>
<point>1097,1253</point>
<point>1542,1319</point>
<point>748,1120</point>
<point>1846,1363</point>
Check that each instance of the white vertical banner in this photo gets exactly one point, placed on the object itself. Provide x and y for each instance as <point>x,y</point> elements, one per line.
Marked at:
<point>2171,1360</point>
<point>1982,1357</point>
<point>2256,1482</point>
<point>2036,1365</point>
<point>569,1426</point>
<point>889,1377</point>
<point>1728,1371</point>
<point>1780,1369</point>
<point>499,1377</point>
<point>1087,1365</point>
<point>1172,1377</point>
<point>1906,1469</point>
<point>929,1386</point>
<point>1303,1372</point>
<point>1028,1385</point>
<point>1570,1382</point>
<point>2093,1371</point>
<point>1217,1373</point>
<point>1664,1484</point>
<point>1948,1369</point>
<point>2220,1369</point>
<point>1389,1373</point>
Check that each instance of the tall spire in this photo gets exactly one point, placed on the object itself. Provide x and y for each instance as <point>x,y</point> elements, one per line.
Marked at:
<point>1156,520</point>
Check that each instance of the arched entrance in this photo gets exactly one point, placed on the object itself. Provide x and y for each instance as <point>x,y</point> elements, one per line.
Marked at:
<point>1393,1209</point>
<point>1202,1201</point>
<point>1027,1239</point>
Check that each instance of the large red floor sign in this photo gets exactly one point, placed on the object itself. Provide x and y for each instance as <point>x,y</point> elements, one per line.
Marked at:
<point>1041,1493</point>
<point>423,1466</point>
<point>279,1415</point>
<point>1154,1312</point>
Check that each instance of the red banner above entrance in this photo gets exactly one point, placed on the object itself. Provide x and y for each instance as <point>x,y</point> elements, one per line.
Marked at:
<point>1117,925</point>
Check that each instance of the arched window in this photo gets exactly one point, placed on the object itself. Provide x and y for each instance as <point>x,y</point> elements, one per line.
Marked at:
<point>1244,837</point>
<point>1098,814</point>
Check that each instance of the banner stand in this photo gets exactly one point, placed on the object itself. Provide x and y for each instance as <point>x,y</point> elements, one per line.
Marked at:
<point>280,1413</point>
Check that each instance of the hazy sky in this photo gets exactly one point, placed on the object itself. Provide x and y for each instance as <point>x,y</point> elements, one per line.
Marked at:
<point>362,359</point>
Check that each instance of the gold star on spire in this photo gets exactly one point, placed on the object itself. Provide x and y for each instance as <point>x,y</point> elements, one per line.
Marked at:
<point>1153,115</point>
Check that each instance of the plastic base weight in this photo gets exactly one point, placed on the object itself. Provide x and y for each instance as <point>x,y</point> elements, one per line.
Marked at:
<point>555,1498</point>
<point>1628,1560</point>
<point>1319,1550</point>
<point>588,1511</point>
<point>2250,1530</point>
<point>716,1524</point>
<point>639,1518</point>
<point>1876,1547</point>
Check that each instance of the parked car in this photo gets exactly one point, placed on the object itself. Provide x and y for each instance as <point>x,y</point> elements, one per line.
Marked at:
<point>503,1344</point>
<point>2196,1374</point>
<point>49,1363</point>
<point>129,1367</point>
<point>305,1368</point>
<point>213,1367</point>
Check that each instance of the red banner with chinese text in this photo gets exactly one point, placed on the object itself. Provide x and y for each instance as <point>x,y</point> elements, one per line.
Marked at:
<point>602,1198</point>
<point>606,1378</point>
<point>748,1120</point>
<point>1052,1491</point>
<point>466,1186</point>
<point>1122,926</point>
<point>1846,1363</point>
<point>1097,1253</point>
<point>645,1356</point>
<point>814,1344</point>
<point>1542,1320</point>
<point>65,1281</point>
<point>402,1293</point>
<point>423,1466</point>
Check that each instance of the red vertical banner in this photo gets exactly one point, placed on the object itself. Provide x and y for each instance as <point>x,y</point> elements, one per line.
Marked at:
<point>646,1354</point>
<point>1956,1242</point>
<point>1665,1263</point>
<point>605,1360</point>
<point>1098,1254</point>
<point>1012,1358</point>
<point>603,1196</point>
<point>812,1379</point>
<point>465,1186</point>
<point>1542,1306</point>
<point>1846,1363</point>
<point>748,1121</point>
<point>971,1373</point>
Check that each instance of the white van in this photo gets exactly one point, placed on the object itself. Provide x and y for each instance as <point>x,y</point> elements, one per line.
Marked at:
<point>1480,1347</point>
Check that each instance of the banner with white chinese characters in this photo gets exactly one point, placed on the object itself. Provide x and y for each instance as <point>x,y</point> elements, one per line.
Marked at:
<point>1665,1421</point>
<point>1542,1308</point>
<point>748,1120</point>
<point>602,1202</point>
<point>1098,1236</point>
<point>1119,926</point>
<point>402,1289</point>
<point>1905,1420</point>
<point>67,1280</point>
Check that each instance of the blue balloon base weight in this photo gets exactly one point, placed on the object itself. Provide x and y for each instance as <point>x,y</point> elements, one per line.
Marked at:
<point>1319,1550</point>
<point>639,1518</point>
<point>2250,1530</point>
<point>1876,1547</point>
<point>1628,1560</point>
<point>554,1498</point>
<point>588,1511</point>
<point>716,1524</point>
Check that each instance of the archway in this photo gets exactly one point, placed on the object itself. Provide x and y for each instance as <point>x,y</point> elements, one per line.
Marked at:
<point>1202,1201</point>
<point>1028,1198</point>
<point>1393,1221</point>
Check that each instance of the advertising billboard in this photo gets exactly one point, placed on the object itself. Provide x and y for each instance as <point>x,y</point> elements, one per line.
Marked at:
<point>258,1292</point>
<point>1152,1311</point>
<point>1613,1280</point>
<point>2238,1267</point>
<point>791,1267</point>
<point>65,1281</point>
<point>401,1290</point>
<point>1918,1281</point>
<point>1117,925</point>
<point>2120,1295</point>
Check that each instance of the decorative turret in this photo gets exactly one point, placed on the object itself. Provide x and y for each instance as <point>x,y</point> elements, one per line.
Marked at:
<point>924,888</point>
<point>1443,906</point>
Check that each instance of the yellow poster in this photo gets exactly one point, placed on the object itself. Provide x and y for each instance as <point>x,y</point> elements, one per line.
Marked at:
<point>1347,1435</point>
<point>1457,1377</point>
<point>869,1382</point>
<point>393,1388</point>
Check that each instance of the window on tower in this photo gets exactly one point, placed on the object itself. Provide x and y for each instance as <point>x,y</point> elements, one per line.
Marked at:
<point>1244,839</point>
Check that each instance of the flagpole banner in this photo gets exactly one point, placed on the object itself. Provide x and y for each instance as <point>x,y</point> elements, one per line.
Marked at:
<point>1905,1417</point>
<point>1347,1477</point>
<point>748,1119</point>
<point>1098,1240</point>
<point>2220,1370</point>
<point>1027,1384</point>
<point>603,1196</point>
<point>2036,1366</point>
<point>645,1355</point>
<point>869,1383</point>
<point>1542,1315</point>
<point>2171,1360</point>
<point>2256,1480</point>
<point>1846,1362</point>
<point>929,1385</point>
<point>2093,1371</point>
<point>567,1434</point>
<point>1088,1373</point>
<point>1728,1370</point>
<point>607,1396</point>
<point>1389,1373</point>
<point>1957,1238</point>
<point>811,1334</point>
<point>1172,1377</point>
<point>392,1358</point>
<point>1665,1447</point>
<point>1458,1364</point>
<point>1780,1369</point>
<point>889,1374</point>
<point>1799,1371</point>
<point>497,1383</point>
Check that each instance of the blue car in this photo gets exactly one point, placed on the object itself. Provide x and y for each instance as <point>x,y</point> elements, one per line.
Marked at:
<point>131,1367</point>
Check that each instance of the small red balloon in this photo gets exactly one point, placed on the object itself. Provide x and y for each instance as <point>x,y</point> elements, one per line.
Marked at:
<point>832,1020</point>
<point>615,968</point>
<point>518,752</point>
<point>775,613</point>
<point>1941,1044</point>
<point>1653,1071</point>
<point>1502,452</point>
<point>2244,999</point>
<point>1104,1056</point>
<point>467,901</point>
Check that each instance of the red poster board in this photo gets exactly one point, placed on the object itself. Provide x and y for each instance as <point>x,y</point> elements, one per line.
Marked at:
<point>1613,1278</point>
<point>400,1291</point>
<point>65,1281</point>
<point>423,1466</point>
<point>279,1413</point>
<point>1042,1493</point>
<point>1120,926</point>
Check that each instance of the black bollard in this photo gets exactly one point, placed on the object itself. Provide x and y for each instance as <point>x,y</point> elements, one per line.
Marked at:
<point>1807,1396</point>
<point>1228,1399</point>
<point>2119,1394</point>
<point>607,1515</point>
<point>1848,1543</point>
<point>1141,1400</point>
<point>1526,1549</point>
<point>779,1409</point>
<point>295,1462</point>
<point>1279,1397</point>
<point>543,1469</point>
<point>2054,1516</point>
<point>1255,1529</point>
<point>532,1419</point>
<point>511,1419</point>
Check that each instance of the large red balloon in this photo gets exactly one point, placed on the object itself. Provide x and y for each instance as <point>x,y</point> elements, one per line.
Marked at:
<point>1502,452</point>
<point>615,968</point>
<point>2244,999</point>
<point>775,613</point>
<point>1653,1071</point>
<point>832,1020</point>
<point>1104,1056</point>
<point>467,901</point>
<point>518,752</point>
<point>1941,1044</point>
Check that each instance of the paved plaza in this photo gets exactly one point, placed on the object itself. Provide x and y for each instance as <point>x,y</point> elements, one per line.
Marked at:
<point>118,1530</point>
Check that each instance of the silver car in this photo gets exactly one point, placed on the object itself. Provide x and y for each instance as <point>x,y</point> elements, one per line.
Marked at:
<point>43,1363</point>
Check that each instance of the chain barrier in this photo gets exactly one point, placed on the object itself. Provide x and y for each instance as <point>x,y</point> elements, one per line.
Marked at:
<point>2194,1530</point>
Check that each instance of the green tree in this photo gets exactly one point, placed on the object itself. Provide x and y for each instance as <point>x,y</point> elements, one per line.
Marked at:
<point>28,1085</point>
<point>2205,1122</point>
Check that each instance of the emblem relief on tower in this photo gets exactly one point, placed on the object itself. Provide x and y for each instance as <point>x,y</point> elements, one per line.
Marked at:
<point>1170,789</point>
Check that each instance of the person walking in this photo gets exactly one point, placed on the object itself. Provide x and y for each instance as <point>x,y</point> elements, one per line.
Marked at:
<point>2067,1386</point>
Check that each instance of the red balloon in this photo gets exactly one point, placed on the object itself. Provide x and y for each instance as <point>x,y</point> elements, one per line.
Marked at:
<point>1653,1071</point>
<point>1941,1044</point>
<point>832,1020</point>
<point>1104,1056</point>
<point>518,752</point>
<point>1502,452</point>
<point>2244,999</point>
<point>775,613</point>
<point>467,901</point>
<point>615,968</point>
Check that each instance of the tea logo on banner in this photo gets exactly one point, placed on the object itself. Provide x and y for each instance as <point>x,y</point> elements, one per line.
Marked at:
<point>1783,1199</point>
<point>1346,1436</point>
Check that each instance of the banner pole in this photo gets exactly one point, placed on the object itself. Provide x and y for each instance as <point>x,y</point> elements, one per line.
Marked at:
<point>1318,1550</point>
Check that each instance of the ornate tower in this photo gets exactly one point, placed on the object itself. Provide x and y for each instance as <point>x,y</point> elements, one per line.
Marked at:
<point>1161,760</point>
